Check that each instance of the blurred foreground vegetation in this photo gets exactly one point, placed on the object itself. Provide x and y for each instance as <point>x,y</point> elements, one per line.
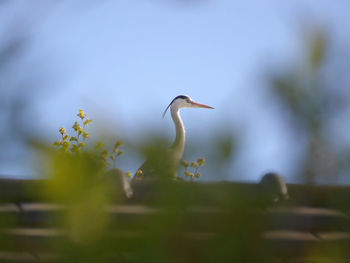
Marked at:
<point>80,212</point>
<point>314,93</point>
<point>313,98</point>
<point>167,222</point>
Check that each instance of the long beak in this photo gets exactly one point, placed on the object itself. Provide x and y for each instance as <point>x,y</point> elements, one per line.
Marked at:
<point>199,105</point>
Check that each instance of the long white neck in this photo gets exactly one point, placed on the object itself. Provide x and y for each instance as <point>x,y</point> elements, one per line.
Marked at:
<point>178,146</point>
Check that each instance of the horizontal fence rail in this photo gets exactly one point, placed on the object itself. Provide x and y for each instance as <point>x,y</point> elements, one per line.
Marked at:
<point>177,222</point>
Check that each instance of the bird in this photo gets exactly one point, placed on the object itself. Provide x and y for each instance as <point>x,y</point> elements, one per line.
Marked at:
<point>273,188</point>
<point>168,161</point>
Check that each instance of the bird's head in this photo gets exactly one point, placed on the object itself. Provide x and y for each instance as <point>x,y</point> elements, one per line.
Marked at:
<point>183,101</point>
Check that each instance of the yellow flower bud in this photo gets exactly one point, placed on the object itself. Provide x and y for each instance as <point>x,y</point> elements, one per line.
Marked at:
<point>139,173</point>
<point>80,130</point>
<point>76,126</point>
<point>184,164</point>
<point>197,175</point>
<point>194,164</point>
<point>201,161</point>
<point>81,114</point>
<point>189,174</point>
<point>63,130</point>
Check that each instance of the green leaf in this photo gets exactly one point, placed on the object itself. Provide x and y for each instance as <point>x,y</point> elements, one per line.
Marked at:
<point>318,49</point>
<point>120,153</point>
<point>80,130</point>
<point>117,145</point>
<point>87,122</point>
<point>105,154</point>
<point>74,148</point>
<point>100,145</point>
<point>66,144</point>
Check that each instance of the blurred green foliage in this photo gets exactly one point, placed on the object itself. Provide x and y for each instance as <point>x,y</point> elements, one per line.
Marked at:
<point>313,102</point>
<point>78,180</point>
<point>169,232</point>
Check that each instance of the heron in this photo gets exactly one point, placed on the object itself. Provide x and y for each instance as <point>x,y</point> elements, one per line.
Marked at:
<point>172,157</point>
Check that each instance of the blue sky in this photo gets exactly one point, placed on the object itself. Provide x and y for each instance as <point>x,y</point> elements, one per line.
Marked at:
<point>124,61</point>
